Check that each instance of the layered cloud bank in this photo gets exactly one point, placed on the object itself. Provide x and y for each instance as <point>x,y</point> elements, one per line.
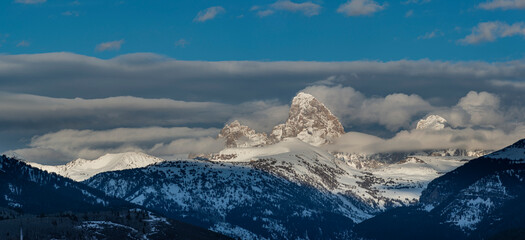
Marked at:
<point>59,106</point>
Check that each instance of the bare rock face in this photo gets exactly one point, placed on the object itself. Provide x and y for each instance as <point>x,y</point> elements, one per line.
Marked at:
<point>310,121</point>
<point>277,133</point>
<point>238,135</point>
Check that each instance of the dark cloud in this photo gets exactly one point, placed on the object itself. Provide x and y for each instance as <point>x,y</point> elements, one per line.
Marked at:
<point>153,76</point>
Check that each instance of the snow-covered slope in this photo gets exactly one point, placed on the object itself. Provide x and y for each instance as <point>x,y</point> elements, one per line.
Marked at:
<point>378,185</point>
<point>82,169</point>
<point>239,201</point>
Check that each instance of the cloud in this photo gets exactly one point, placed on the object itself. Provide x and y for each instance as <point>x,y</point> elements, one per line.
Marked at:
<point>402,111</point>
<point>393,111</point>
<point>71,13</point>
<point>264,13</point>
<point>503,4</point>
<point>187,146</point>
<point>39,155</point>
<point>23,111</point>
<point>23,44</point>
<point>208,14</point>
<point>181,43</point>
<point>416,1</point>
<point>409,13</point>
<point>482,108</point>
<point>491,31</point>
<point>109,46</point>
<point>512,84</point>
<point>430,35</point>
<point>30,1</point>
<point>360,7</point>
<point>67,145</point>
<point>420,140</point>
<point>307,8</point>
<point>126,75</point>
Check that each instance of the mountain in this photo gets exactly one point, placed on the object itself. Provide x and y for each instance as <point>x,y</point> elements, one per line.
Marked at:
<point>32,190</point>
<point>433,122</point>
<point>82,169</point>
<point>238,135</point>
<point>48,206</point>
<point>309,121</point>
<point>482,198</point>
<point>239,201</point>
<point>286,190</point>
<point>373,185</point>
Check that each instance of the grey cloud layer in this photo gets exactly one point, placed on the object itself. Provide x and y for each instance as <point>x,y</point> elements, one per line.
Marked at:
<point>153,76</point>
<point>66,145</point>
<point>30,111</point>
<point>417,140</point>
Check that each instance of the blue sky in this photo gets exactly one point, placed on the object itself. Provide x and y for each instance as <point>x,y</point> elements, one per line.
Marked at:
<point>396,30</point>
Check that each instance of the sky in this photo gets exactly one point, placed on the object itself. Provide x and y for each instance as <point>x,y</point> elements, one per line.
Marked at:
<point>84,78</point>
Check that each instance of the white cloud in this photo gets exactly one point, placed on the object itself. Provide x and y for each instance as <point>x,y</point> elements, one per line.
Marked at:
<point>181,43</point>
<point>430,35</point>
<point>419,140</point>
<point>409,13</point>
<point>71,13</point>
<point>503,4</point>
<point>30,1</point>
<point>109,46</point>
<point>401,111</point>
<point>490,31</point>
<point>208,14</point>
<point>67,145</point>
<point>186,146</point>
<point>23,43</point>
<point>264,13</point>
<point>306,8</point>
<point>394,111</point>
<point>482,108</point>
<point>360,7</point>
<point>416,1</point>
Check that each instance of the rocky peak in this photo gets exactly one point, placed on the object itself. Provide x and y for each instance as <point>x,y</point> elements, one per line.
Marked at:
<point>432,122</point>
<point>238,135</point>
<point>310,121</point>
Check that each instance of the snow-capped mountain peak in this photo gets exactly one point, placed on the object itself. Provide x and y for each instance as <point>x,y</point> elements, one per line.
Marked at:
<point>238,135</point>
<point>82,169</point>
<point>310,121</point>
<point>432,122</point>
